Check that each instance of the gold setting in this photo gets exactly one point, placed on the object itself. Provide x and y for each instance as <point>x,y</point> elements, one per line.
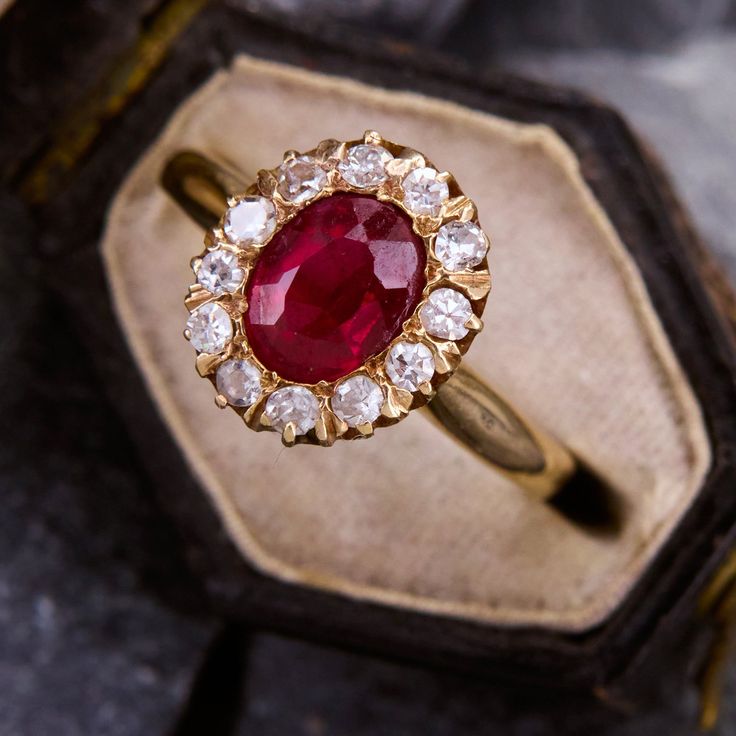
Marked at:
<point>474,283</point>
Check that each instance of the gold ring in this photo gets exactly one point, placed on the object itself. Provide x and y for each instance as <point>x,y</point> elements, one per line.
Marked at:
<point>339,292</point>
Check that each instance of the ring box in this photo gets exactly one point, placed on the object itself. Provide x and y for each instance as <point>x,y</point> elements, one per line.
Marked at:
<point>608,324</point>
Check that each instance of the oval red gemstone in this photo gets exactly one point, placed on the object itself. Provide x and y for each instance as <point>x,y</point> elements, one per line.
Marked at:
<point>334,287</point>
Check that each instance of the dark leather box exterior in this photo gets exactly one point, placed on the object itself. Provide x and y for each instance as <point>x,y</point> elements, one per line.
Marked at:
<point>694,305</point>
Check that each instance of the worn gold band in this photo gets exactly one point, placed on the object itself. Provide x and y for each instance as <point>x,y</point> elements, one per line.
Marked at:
<point>465,406</point>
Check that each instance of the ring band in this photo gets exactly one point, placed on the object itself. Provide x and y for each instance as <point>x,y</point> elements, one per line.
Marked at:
<point>464,406</point>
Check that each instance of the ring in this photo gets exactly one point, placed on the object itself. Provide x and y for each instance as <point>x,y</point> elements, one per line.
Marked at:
<point>339,292</point>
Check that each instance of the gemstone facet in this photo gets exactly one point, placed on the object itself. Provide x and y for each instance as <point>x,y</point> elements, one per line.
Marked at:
<point>239,381</point>
<point>357,400</point>
<point>334,287</point>
<point>210,328</point>
<point>292,404</point>
<point>460,245</point>
<point>219,272</point>
<point>409,365</point>
<point>252,220</point>
<point>365,166</point>
<point>424,192</point>
<point>300,179</point>
<point>445,314</point>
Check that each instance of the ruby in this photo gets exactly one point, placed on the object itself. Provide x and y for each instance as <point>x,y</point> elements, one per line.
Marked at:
<point>334,287</point>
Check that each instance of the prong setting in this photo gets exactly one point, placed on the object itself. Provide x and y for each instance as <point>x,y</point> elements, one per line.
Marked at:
<point>391,384</point>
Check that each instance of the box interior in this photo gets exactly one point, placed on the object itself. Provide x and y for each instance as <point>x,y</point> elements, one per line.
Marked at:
<point>410,518</point>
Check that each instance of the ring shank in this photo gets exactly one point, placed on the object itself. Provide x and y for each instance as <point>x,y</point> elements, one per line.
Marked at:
<point>464,406</point>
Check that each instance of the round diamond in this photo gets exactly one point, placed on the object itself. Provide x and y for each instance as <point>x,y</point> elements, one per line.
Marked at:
<point>300,179</point>
<point>365,166</point>
<point>252,220</point>
<point>292,404</point>
<point>239,381</point>
<point>210,328</point>
<point>219,272</point>
<point>357,400</point>
<point>409,364</point>
<point>445,314</point>
<point>460,245</point>
<point>424,193</point>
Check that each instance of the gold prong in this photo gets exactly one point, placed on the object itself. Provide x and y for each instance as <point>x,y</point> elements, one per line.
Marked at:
<point>206,363</point>
<point>402,164</point>
<point>397,404</point>
<point>188,334</point>
<point>447,357</point>
<point>329,148</point>
<point>460,207</point>
<point>220,401</point>
<point>195,263</point>
<point>426,225</point>
<point>290,155</point>
<point>212,237</point>
<point>426,388</point>
<point>326,427</point>
<point>235,306</point>
<point>372,137</point>
<point>476,284</point>
<point>266,182</point>
<point>264,421</point>
<point>474,323</point>
<point>241,341</point>
<point>416,158</point>
<point>320,430</point>
<point>435,270</point>
<point>251,412</point>
<point>340,426</point>
<point>365,429</point>
<point>468,211</point>
<point>288,436</point>
<point>197,297</point>
<point>444,176</point>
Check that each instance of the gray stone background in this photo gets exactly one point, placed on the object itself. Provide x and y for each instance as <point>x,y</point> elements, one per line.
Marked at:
<point>90,646</point>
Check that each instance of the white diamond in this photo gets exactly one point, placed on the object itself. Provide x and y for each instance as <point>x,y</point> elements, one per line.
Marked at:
<point>300,179</point>
<point>210,328</point>
<point>460,245</point>
<point>292,404</point>
<point>252,220</point>
<point>424,193</point>
<point>365,166</point>
<point>357,400</point>
<point>239,381</point>
<point>445,314</point>
<point>220,272</point>
<point>409,364</point>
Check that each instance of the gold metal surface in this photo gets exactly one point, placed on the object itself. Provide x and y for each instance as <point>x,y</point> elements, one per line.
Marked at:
<point>472,412</point>
<point>718,602</point>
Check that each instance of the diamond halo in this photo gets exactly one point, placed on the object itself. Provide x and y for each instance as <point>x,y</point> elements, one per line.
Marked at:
<point>250,221</point>
<point>460,245</point>
<point>364,165</point>
<point>300,179</point>
<point>409,365</point>
<point>239,382</point>
<point>295,405</point>
<point>357,401</point>
<point>428,346</point>
<point>219,272</point>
